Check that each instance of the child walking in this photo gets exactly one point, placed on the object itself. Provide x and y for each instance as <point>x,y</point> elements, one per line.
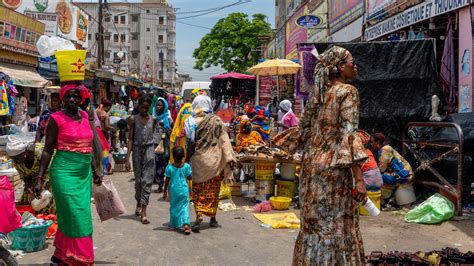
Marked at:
<point>143,135</point>
<point>177,175</point>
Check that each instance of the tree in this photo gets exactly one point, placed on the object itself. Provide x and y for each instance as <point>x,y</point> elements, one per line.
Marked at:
<point>232,43</point>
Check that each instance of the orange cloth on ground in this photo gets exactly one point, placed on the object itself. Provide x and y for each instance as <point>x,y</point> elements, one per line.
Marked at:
<point>371,163</point>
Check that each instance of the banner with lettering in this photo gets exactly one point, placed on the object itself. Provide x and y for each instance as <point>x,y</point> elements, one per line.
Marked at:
<point>413,15</point>
<point>343,12</point>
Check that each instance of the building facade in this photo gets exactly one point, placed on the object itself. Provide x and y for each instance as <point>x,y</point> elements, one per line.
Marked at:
<point>139,38</point>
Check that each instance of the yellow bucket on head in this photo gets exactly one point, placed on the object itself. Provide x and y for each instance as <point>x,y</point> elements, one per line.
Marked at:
<point>71,64</point>
<point>375,197</point>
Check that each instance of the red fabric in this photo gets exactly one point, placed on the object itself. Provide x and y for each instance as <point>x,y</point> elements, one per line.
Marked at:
<point>233,75</point>
<point>371,164</point>
<point>9,217</point>
<point>85,94</point>
<point>74,251</point>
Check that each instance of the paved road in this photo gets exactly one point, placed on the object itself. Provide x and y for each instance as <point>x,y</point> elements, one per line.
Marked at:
<point>125,241</point>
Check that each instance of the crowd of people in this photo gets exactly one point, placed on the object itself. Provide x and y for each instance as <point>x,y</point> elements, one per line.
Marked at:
<point>187,150</point>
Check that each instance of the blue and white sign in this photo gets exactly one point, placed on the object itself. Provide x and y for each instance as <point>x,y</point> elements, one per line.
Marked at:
<point>309,21</point>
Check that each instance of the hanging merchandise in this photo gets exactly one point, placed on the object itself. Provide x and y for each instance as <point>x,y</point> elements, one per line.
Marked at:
<point>4,105</point>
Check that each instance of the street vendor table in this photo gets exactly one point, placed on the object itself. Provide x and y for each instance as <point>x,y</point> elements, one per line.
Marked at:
<point>265,179</point>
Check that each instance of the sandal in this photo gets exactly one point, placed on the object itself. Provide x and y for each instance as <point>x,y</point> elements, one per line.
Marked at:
<point>187,230</point>
<point>214,223</point>
<point>144,220</point>
<point>197,225</point>
<point>138,211</point>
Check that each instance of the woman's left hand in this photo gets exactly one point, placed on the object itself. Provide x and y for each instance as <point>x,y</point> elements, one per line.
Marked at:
<point>360,191</point>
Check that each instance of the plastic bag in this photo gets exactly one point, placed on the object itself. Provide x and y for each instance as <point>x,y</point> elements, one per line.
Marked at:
<point>434,210</point>
<point>226,191</point>
<point>39,204</point>
<point>9,217</point>
<point>264,206</point>
<point>107,200</point>
<point>48,45</point>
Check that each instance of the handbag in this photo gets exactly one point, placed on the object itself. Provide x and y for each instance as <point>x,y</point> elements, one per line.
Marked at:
<point>107,200</point>
<point>160,149</point>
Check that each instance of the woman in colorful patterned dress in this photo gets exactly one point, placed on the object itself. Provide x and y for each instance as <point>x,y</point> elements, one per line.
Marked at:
<point>69,136</point>
<point>211,156</point>
<point>330,232</point>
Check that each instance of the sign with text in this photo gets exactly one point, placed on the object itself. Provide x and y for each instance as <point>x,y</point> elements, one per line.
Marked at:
<point>343,12</point>
<point>319,34</point>
<point>19,32</point>
<point>377,7</point>
<point>71,22</point>
<point>50,20</point>
<point>415,14</point>
<point>309,21</point>
<point>294,34</point>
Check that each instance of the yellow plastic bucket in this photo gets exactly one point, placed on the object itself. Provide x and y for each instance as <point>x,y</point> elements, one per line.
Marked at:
<point>264,180</point>
<point>264,170</point>
<point>286,188</point>
<point>375,197</point>
<point>71,64</point>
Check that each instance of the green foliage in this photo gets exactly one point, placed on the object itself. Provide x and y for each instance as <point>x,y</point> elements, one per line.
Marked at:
<point>232,43</point>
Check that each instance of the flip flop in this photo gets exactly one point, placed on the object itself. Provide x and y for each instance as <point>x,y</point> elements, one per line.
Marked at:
<point>144,220</point>
<point>214,224</point>
<point>187,230</point>
<point>138,212</point>
<point>197,225</point>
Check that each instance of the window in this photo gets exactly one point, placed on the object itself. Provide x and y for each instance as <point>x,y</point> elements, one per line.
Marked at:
<point>147,29</point>
<point>148,11</point>
<point>134,54</point>
<point>89,36</point>
<point>116,19</point>
<point>135,18</point>
<point>1,28</point>
<point>160,38</point>
<point>123,38</point>
<point>106,36</point>
<point>161,20</point>
<point>134,36</point>
<point>160,74</point>
<point>107,19</point>
<point>148,47</point>
<point>122,19</point>
<point>116,37</point>
<point>107,54</point>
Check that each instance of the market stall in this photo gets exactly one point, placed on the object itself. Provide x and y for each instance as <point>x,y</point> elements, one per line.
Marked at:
<point>233,88</point>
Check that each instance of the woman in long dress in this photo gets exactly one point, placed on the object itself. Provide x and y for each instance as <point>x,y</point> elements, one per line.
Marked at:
<point>330,232</point>
<point>70,134</point>
<point>211,158</point>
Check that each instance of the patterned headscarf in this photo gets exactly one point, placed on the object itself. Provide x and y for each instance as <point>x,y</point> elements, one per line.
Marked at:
<point>325,69</point>
<point>364,136</point>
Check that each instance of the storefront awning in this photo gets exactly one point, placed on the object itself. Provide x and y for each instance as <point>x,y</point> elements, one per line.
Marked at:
<point>24,76</point>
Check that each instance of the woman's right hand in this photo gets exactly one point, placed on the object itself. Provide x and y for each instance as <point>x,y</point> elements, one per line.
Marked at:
<point>127,165</point>
<point>39,187</point>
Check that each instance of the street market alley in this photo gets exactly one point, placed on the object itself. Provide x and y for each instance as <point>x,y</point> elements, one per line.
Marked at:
<point>241,240</point>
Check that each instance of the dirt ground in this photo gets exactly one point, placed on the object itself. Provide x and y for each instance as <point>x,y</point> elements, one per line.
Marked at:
<point>241,240</point>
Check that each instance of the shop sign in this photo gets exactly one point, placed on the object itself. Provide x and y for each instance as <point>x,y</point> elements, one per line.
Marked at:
<point>294,34</point>
<point>72,23</point>
<point>19,31</point>
<point>343,12</point>
<point>309,21</point>
<point>48,64</point>
<point>377,7</point>
<point>320,33</point>
<point>280,43</point>
<point>413,15</point>
<point>313,4</point>
<point>50,20</point>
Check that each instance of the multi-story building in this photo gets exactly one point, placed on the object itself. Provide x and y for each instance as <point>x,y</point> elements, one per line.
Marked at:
<point>139,38</point>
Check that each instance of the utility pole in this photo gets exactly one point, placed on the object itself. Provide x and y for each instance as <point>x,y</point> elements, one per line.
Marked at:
<point>161,56</point>
<point>100,46</point>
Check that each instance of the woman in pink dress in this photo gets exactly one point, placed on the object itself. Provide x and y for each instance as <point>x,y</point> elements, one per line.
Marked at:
<point>69,135</point>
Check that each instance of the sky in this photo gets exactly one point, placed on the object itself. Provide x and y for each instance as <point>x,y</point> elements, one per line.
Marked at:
<point>188,37</point>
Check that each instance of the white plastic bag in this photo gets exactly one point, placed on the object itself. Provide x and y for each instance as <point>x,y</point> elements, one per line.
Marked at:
<point>41,203</point>
<point>48,45</point>
<point>107,200</point>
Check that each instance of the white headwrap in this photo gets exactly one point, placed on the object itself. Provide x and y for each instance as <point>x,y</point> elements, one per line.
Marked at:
<point>17,146</point>
<point>202,103</point>
<point>286,105</point>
